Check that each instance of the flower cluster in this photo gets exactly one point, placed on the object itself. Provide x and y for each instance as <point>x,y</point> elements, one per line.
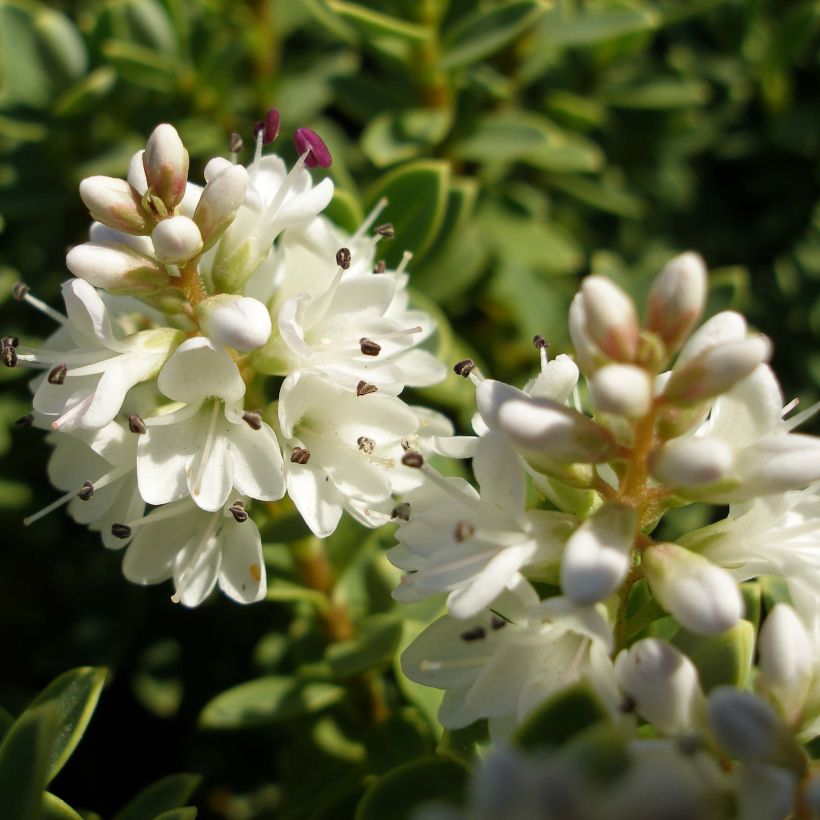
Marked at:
<point>551,567</point>
<point>154,384</point>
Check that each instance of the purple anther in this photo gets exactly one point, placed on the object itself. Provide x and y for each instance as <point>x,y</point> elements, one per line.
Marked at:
<point>269,127</point>
<point>318,153</point>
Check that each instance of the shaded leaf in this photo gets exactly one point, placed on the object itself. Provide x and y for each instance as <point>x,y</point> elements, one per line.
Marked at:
<point>55,809</point>
<point>171,792</point>
<point>373,646</point>
<point>373,23</point>
<point>723,659</point>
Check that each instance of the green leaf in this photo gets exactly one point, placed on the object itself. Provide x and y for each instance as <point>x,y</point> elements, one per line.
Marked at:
<point>598,753</point>
<point>488,30</point>
<point>373,646</point>
<point>393,137</point>
<point>23,78</point>
<point>659,94</point>
<point>61,46</point>
<point>600,194</point>
<point>529,138</point>
<point>74,694</point>
<point>560,718</point>
<point>171,792</point>
<point>142,66</point>
<point>720,659</point>
<point>376,24</point>
<point>184,813</point>
<point>87,93</point>
<point>6,722</point>
<point>464,745</point>
<point>150,25</point>
<point>267,700</point>
<point>416,196</point>
<point>562,30</point>
<point>55,809</point>
<point>25,762</point>
<point>395,795</point>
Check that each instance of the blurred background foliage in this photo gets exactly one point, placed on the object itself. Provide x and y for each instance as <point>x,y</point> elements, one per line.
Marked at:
<point>521,143</point>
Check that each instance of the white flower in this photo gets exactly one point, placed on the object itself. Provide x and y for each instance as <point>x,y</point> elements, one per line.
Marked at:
<point>207,447</point>
<point>340,448</point>
<point>469,545</point>
<point>94,368</point>
<point>198,549</point>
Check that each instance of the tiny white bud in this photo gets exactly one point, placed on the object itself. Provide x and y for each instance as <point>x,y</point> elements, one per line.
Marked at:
<point>676,299</point>
<point>215,166</point>
<point>136,173</point>
<point>117,269</point>
<point>664,684</point>
<point>692,462</point>
<point>116,204</point>
<point>596,556</point>
<point>176,239</point>
<point>723,327</point>
<point>556,380</point>
<point>786,660</point>
<point>622,389</point>
<point>716,369</point>
<point>220,201</point>
<point>586,352</point>
<point>703,597</point>
<point>611,320</point>
<point>166,165</point>
<point>234,321</point>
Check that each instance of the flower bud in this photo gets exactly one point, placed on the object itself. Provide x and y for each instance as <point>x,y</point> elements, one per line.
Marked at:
<point>176,239</point>
<point>543,428</point>
<point>166,165</point>
<point>786,661</point>
<point>750,730</point>
<point>117,269</point>
<point>692,462</point>
<point>723,327</point>
<point>716,369</point>
<point>596,556</point>
<point>556,380</point>
<point>136,173</point>
<point>234,321</point>
<point>676,299</point>
<point>703,597</point>
<point>611,320</point>
<point>622,389</point>
<point>663,683</point>
<point>215,166</point>
<point>116,204</point>
<point>777,464</point>
<point>586,352</point>
<point>60,44</point>
<point>220,201</point>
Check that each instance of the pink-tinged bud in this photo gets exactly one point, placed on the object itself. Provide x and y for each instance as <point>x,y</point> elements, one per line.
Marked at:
<point>234,321</point>
<point>117,269</point>
<point>786,661</point>
<point>663,683</point>
<point>611,320</point>
<point>676,299</point>
<point>219,202</point>
<point>176,239</point>
<point>269,127</point>
<point>318,153</point>
<point>136,173</point>
<point>166,165</point>
<point>597,555</point>
<point>703,597</point>
<point>726,326</point>
<point>622,389</point>
<point>716,369</point>
<point>116,204</point>
<point>692,462</point>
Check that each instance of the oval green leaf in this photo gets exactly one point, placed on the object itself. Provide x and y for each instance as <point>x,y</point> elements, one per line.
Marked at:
<point>376,24</point>
<point>724,659</point>
<point>169,793</point>
<point>55,809</point>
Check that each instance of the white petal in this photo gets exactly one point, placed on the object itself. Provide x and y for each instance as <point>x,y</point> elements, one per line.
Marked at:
<point>198,369</point>
<point>257,461</point>
<point>87,314</point>
<point>421,368</point>
<point>195,577</point>
<point>499,473</point>
<point>242,576</point>
<point>211,472</point>
<point>318,500</point>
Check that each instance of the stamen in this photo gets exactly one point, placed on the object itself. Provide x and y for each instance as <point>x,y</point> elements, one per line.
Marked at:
<point>269,127</point>
<point>252,419</point>
<point>497,622</point>
<point>542,346</point>
<point>25,421</point>
<point>22,293</point>
<point>405,258</point>
<point>370,219</point>
<point>19,291</point>
<point>458,663</point>
<point>401,511</point>
<point>477,633</point>
<point>9,356</point>
<point>300,455</point>
<point>70,415</point>
<point>800,418</point>
<point>386,230</point>
<point>380,266</point>
<point>463,531</point>
<point>87,491</point>
<point>136,424</point>
<point>468,369</point>
<point>9,341</point>
<point>343,258</point>
<point>206,450</point>
<point>366,445</point>
<point>63,499</point>
<point>365,389</point>
<point>572,671</point>
<point>367,346</point>
<point>309,142</point>
<point>413,459</point>
<point>58,374</point>
<point>120,531</point>
<point>236,145</point>
<point>410,442</point>
<point>238,511</point>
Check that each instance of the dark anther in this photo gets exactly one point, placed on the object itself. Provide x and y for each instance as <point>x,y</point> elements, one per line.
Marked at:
<point>9,341</point>
<point>86,492</point>
<point>363,388</point>
<point>300,455</point>
<point>236,143</point>
<point>477,633</point>
<point>386,230</point>
<point>25,421</point>
<point>412,459</point>
<point>464,367</point>
<point>343,258</point>
<point>269,127</point>
<point>497,622</point>
<point>540,342</point>
<point>628,705</point>
<point>238,511</point>
<point>463,530</point>
<point>401,511</point>
<point>366,445</point>
<point>57,375</point>
<point>120,531</point>
<point>318,153</point>
<point>369,347</point>
<point>252,419</point>
<point>19,291</point>
<point>380,266</point>
<point>9,356</point>
<point>136,424</point>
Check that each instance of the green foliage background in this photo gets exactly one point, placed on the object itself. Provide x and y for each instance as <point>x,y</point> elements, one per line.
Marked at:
<point>522,144</point>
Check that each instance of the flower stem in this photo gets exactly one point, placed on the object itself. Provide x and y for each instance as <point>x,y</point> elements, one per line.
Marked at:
<point>191,285</point>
